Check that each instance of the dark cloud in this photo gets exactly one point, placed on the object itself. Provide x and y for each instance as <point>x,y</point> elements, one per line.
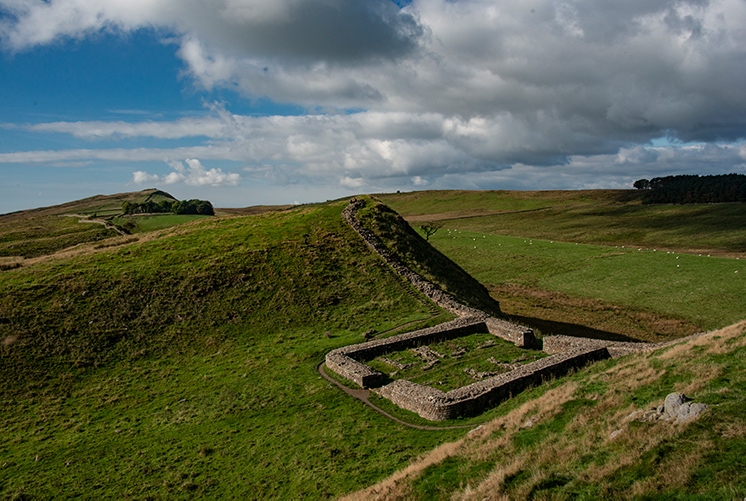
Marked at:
<point>448,86</point>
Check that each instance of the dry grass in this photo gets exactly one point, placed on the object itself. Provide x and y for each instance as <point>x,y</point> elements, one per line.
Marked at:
<point>587,432</point>
<point>479,444</point>
<point>719,342</point>
<point>395,486</point>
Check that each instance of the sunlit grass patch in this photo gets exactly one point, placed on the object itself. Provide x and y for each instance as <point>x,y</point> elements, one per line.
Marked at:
<point>706,291</point>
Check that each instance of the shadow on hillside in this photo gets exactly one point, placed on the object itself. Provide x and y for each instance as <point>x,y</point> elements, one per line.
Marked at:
<point>549,327</point>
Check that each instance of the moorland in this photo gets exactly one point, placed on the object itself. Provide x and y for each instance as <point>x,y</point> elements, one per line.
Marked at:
<point>181,360</point>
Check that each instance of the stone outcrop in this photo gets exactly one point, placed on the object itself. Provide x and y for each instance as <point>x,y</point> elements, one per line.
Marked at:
<point>676,407</point>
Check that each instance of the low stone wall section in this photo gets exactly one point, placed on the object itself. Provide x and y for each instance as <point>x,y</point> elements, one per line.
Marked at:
<point>559,344</point>
<point>347,361</point>
<point>471,400</point>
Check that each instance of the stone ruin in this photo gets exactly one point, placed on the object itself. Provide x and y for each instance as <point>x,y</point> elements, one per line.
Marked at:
<point>567,353</point>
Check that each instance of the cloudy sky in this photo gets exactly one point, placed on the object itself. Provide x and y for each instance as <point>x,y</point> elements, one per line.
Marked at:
<point>247,102</point>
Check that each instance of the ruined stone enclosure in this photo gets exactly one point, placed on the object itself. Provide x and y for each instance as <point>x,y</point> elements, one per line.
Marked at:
<point>437,405</point>
<point>566,353</point>
<point>432,403</point>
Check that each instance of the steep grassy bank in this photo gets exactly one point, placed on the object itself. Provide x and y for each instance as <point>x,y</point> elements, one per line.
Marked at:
<point>585,437</point>
<point>422,258</point>
<point>185,364</point>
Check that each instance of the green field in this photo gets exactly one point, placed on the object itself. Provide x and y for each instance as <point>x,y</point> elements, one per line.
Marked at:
<point>705,291</point>
<point>594,263</point>
<point>183,362</point>
<point>606,217</point>
<point>147,223</point>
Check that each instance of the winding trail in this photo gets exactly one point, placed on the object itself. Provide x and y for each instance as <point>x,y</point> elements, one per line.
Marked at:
<point>363,395</point>
<point>82,220</point>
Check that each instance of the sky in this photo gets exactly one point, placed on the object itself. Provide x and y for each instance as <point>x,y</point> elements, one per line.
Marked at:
<point>247,102</point>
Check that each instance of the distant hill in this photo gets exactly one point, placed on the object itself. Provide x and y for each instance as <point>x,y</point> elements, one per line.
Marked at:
<point>38,232</point>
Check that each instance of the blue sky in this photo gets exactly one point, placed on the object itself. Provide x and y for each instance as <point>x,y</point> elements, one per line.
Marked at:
<point>247,102</point>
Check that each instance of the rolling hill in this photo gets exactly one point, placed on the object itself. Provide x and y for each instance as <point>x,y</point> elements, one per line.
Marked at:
<point>182,362</point>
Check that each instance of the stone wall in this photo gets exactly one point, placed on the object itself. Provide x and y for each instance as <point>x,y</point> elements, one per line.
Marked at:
<point>473,399</point>
<point>567,352</point>
<point>346,361</point>
<point>559,344</point>
<point>521,336</point>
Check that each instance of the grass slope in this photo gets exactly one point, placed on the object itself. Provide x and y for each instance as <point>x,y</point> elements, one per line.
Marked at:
<point>184,364</point>
<point>44,231</point>
<point>538,253</point>
<point>579,438</point>
<point>605,217</point>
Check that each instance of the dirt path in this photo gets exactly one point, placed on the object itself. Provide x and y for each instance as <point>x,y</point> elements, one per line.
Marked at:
<point>363,395</point>
<point>106,224</point>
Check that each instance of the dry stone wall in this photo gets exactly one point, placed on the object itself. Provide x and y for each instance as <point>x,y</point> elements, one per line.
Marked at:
<point>559,344</point>
<point>471,400</point>
<point>521,336</point>
<point>347,361</point>
<point>567,352</point>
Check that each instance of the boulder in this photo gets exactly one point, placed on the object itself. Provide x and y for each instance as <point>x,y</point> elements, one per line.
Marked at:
<point>690,411</point>
<point>671,405</point>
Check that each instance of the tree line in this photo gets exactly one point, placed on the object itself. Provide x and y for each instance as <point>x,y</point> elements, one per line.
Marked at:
<point>693,189</point>
<point>202,207</point>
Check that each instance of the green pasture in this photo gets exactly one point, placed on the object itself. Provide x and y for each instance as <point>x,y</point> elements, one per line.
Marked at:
<point>605,217</point>
<point>709,291</point>
<point>185,364</point>
<point>470,203</point>
<point>157,222</point>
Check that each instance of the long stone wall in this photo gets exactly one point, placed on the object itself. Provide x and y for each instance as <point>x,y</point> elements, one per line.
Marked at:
<point>521,336</point>
<point>471,400</point>
<point>568,353</point>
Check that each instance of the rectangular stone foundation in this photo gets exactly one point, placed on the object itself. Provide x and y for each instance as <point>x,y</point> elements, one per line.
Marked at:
<point>473,399</point>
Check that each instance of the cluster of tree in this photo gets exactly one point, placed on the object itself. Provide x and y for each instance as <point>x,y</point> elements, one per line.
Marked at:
<point>202,207</point>
<point>692,189</point>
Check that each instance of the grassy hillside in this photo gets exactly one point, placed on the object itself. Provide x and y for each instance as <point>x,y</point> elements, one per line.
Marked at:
<point>184,363</point>
<point>605,217</point>
<point>586,436</point>
<point>562,262</point>
<point>39,232</point>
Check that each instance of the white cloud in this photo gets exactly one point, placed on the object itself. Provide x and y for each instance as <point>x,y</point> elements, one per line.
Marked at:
<point>488,91</point>
<point>92,130</point>
<point>194,174</point>
<point>141,177</point>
